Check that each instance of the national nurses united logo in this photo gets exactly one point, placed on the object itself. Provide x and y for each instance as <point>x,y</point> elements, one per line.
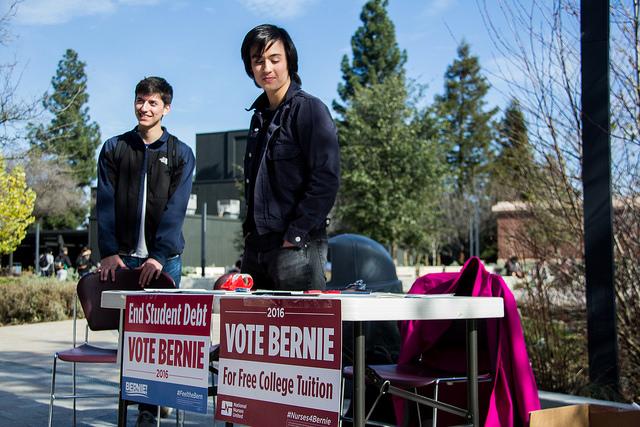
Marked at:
<point>226,408</point>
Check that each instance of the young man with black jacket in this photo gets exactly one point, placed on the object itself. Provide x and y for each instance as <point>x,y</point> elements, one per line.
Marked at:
<point>144,183</point>
<point>291,167</point>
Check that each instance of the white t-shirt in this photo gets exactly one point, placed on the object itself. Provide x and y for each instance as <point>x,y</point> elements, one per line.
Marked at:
<point>141,248</point>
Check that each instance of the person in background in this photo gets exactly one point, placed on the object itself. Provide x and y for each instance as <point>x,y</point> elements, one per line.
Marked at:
<point>291,167</point>
<point>513,267</point>
<point>84,263</point>
<point>62,264</point>
<point>46,263</point>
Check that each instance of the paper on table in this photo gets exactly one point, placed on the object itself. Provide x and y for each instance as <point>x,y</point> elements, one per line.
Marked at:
<point>428,295</point>
<point>186,291</point>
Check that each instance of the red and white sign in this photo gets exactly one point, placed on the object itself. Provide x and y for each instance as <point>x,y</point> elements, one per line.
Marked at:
<point>280,361</point>
<point>165,354</point>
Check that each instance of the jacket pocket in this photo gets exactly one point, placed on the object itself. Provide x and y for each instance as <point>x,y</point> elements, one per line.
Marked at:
<point>284,152</point>
<point>286,169</point>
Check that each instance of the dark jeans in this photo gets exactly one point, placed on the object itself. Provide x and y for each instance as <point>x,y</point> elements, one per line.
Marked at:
<point>287,269</point>
<point>173,267</point>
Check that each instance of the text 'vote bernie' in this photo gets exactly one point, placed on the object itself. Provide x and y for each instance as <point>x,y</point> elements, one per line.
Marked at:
<point>186,353</point>
<point>310,343</point>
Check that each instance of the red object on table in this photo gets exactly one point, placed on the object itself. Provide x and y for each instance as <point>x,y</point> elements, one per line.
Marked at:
<point>233,281</point>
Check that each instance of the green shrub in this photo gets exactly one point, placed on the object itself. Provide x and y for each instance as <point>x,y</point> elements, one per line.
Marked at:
<point>35,299</point>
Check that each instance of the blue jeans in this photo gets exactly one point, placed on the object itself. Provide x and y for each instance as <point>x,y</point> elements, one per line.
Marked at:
<point>173,266</point>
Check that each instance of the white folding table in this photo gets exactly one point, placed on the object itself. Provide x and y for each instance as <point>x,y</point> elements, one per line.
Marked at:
<point>375,307</point>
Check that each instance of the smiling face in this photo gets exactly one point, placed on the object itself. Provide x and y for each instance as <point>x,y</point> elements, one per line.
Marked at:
<point>270,70</point>
<point>150,109</point>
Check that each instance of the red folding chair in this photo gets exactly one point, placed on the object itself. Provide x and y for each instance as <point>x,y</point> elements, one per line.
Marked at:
<point>89,292</point>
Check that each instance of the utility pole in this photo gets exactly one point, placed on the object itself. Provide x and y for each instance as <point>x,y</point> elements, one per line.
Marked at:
<point>598,210</point>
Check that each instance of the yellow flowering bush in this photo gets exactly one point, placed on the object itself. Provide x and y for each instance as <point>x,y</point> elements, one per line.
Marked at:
<point>16,207</point>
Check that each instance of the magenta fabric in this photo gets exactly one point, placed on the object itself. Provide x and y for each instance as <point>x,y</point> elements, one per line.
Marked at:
<point>514,392</point>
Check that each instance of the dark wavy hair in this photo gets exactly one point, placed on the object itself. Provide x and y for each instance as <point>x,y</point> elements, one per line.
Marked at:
<point>262,37</point>
<point>151,85</point>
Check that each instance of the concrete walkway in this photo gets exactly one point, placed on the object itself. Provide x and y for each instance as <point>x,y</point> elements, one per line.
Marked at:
<point>26,357</point>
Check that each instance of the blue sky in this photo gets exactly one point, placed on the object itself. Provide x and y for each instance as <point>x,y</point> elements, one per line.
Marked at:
<point>195,45</point>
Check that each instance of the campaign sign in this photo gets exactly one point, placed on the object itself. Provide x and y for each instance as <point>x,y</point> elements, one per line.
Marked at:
<point>280,361</point>
<point>165,353</point>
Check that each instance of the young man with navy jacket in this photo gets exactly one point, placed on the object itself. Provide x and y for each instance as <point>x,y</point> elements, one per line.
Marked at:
<point>144,183</point>
<point>291,167</point>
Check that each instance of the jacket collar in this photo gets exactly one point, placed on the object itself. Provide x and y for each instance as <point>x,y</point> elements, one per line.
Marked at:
<point>262,102</point>
<point>156,144</point>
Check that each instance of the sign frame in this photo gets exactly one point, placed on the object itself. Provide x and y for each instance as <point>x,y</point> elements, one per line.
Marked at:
<point>165,350</point>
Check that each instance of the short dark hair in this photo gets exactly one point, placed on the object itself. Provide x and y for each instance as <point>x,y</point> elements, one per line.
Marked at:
<point>151,85</point>
<point>262,37</point>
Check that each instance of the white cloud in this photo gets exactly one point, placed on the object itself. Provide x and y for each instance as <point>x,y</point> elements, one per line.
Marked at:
<point>436,7</point>
<point>49,12</point>
<point>279,9</point>
<point>52,12</point>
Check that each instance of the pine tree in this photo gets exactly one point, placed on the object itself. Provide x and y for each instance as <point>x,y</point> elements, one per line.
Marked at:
<point>70,139</point>
<point>388,170</point>
<point>465,126</point>
<point>514,166</point>
<point>376,55</point>
<point>389,161</point>
<point>70,136</point>
<point>466,133</point>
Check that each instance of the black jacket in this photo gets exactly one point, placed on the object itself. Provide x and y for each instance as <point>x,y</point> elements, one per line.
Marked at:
<point>299,170</point>
<point>119,195</point>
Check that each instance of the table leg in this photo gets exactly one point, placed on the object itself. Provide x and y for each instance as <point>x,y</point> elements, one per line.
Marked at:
<point>472,371</point>
<point>122,405</point>
<point>358,375</point>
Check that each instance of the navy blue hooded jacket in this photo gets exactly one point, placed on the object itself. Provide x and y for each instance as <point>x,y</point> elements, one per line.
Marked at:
<point>120,194</point>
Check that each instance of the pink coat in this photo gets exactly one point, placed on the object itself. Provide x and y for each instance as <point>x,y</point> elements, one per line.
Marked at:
<point>514,393</point>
